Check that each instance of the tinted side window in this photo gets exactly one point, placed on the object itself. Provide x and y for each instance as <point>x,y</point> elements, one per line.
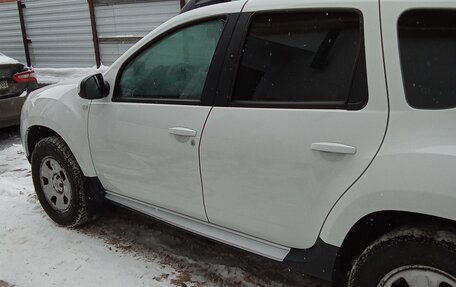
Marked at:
<point>427,42</point>
<point>174,68</point>
<point>303,58</point>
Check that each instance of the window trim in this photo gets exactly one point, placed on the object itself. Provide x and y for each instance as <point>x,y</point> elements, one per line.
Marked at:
<point>241,33</point>
<point>214,67</point>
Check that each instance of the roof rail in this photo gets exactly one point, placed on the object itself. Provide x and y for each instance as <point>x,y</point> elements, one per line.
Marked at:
<point>194,4</point>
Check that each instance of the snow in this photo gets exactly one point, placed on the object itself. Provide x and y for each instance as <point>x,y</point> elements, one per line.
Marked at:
<point>35,252</point>
<point>417,232</point>
<point>6,60</point>
<point>55,75</point>
<point>120,248</point>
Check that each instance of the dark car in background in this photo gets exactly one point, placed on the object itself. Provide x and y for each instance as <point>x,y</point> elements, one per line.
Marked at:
<point>16,81</point>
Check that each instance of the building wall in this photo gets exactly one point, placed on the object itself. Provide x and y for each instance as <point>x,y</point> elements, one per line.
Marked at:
<point>10,32</point>
<point>60,33</point>
<point>121,25</point>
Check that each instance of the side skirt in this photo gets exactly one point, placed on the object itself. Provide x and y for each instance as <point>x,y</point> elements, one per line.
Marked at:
<point>205,229</point>
<point>318,261</point>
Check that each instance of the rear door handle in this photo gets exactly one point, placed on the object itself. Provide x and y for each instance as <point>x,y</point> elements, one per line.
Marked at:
<point>333,148</point>
<point>185,132</point>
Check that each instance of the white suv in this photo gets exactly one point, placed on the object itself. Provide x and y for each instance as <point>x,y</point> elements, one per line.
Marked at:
<point>318,133</point>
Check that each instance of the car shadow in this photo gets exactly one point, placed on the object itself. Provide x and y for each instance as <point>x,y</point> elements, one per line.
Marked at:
<point>9,136</point>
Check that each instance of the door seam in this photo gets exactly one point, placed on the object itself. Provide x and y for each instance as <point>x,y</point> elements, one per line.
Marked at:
<point>386,127</point>
<point>199,164</point>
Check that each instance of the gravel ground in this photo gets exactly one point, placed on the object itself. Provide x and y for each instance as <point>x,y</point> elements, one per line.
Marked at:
<point>120,248</point>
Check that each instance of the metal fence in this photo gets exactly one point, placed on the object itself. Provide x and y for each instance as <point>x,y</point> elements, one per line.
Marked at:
<point>120,25</point>
<point>11,42</point>
<point>59,33</point>
<point>78,33</point>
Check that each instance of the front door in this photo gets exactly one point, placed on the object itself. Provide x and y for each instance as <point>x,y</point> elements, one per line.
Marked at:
<point>303,120</point>
<point>145,141</point>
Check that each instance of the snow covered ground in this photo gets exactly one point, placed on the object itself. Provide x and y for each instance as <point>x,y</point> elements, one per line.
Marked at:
<point>121,248</point>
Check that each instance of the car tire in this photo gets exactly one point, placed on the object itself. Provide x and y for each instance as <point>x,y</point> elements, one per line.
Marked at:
<point>404,256</point>
<point>58,182</point>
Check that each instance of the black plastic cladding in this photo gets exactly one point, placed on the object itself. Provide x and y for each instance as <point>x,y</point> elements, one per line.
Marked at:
<point>194,4</point>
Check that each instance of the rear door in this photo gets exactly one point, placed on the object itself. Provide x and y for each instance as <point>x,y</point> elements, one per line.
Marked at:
<point>301,113</point>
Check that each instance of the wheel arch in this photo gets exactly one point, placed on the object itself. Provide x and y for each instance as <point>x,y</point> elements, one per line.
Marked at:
<point>92,184</point>
<point>36,133</point>
<point>375,225</point>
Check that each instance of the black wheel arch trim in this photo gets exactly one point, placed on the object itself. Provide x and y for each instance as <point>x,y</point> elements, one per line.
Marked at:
<point>318,261</point>
<point>96,190</point>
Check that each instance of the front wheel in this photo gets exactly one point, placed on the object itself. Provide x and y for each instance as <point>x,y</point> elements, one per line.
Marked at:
<point>58,182</point>
<point>408,258</point>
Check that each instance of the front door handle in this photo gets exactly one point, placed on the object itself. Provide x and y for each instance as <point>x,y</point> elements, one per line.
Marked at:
<point>333,148</point>
<point>185,132</point>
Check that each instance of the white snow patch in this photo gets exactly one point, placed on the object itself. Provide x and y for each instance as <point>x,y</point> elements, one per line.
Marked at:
<point>7,60</point>
<point>55,75</point>
<point>36,252</point>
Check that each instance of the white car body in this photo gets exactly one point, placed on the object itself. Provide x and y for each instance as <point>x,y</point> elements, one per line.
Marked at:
<point>270,181</point>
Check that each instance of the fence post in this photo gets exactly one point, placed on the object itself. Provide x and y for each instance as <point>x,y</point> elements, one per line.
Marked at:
<point>25,40</point>
<point>93,22</point>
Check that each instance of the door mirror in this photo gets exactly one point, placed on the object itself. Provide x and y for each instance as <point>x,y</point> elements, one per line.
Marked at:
<point>94,87</point>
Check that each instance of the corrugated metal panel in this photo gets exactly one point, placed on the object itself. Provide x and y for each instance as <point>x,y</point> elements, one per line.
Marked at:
<point>10,32</point>
<point>130,20</point>
<point>134,19</point>
<point>60,32</point>
<point>110,52</point>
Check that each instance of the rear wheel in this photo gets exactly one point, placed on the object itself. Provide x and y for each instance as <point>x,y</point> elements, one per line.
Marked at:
<point>410,257</point>
<point>419,276</point>
<point>58,182</point>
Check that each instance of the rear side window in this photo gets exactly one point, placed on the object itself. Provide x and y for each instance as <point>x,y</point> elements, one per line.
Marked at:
<point>427,43</point>
<point>306,59</point>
